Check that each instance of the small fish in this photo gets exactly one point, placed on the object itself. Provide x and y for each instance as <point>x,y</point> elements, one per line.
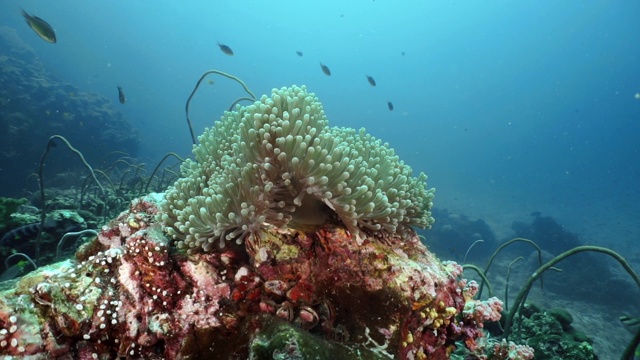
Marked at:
<point>121,96</point>
<point>390,105</point>
<point>40,27</point>
<point>629,321</point>
<point>24,232</point>
<point>371,81</point>
<point>13,272</point>
<point>225,49</point>
<point>210,82</point>
<point>403,53</point>
<point>299,53</point>
<point>325,69</point>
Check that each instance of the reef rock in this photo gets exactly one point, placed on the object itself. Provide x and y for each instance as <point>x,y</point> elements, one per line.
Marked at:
<point>303,293</point>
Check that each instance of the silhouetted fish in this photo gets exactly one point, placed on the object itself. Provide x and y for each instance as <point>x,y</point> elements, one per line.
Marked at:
<point>629,321</point>
<point>325,69</point>
<point>24,232</point>
<point>225,49</point>
<point>121,96</point>
<point>13,271</point>
<point>40,27</point>
<point>299,53</point>
<point>390,105</point>
<point>371,81</point>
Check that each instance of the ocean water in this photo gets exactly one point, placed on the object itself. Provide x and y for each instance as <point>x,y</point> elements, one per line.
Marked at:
<point>511,108</point>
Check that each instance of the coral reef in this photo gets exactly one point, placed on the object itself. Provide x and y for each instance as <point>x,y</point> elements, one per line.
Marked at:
<point>547,233</point>
<point>282,340</point>
<point>127,294</point>
<point>21,239</point>
<point>585,268</point>
<point>57,222</point>
<point>34,106</point>
<point>453,234</point>
<point>8,207</point>
<point>510,351</point>
<point>551,335</point>
<point>276,162</point>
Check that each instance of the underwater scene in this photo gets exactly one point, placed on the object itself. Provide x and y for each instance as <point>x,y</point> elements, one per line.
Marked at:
<point>365,179</point>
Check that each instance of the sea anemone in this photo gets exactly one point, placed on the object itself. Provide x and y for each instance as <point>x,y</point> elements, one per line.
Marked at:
<point>278,162</point>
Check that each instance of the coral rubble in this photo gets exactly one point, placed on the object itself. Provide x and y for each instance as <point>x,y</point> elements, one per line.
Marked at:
<point>128,294</point>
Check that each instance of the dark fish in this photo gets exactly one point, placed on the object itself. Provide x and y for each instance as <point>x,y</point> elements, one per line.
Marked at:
<point>325,69</point>
<point>13,272</point>
<point>121,96</point>
<point>28,231</point>
<point>371,81</point>
<point>629,321</point>
<point>299,53</point>
<point>40,27</point>
<point>390,105</point>
<point>403,53</point>
<point>225,49</point>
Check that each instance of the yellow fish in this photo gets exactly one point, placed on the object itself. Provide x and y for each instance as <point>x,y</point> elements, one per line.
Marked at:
<point>40,27</point>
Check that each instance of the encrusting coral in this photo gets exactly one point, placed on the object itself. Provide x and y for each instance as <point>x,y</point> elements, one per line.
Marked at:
<point>127,294</point>
<point>277,161</point>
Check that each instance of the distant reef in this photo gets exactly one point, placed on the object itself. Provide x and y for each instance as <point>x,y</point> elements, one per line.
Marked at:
<point>34,105</point>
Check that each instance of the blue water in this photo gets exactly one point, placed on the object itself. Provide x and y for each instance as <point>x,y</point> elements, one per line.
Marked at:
<point>529,102</point>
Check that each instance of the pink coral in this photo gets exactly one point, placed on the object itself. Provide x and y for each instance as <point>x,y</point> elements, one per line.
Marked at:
<point>481,311</point>
<point>511,351</point>
<point>129,294</point>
